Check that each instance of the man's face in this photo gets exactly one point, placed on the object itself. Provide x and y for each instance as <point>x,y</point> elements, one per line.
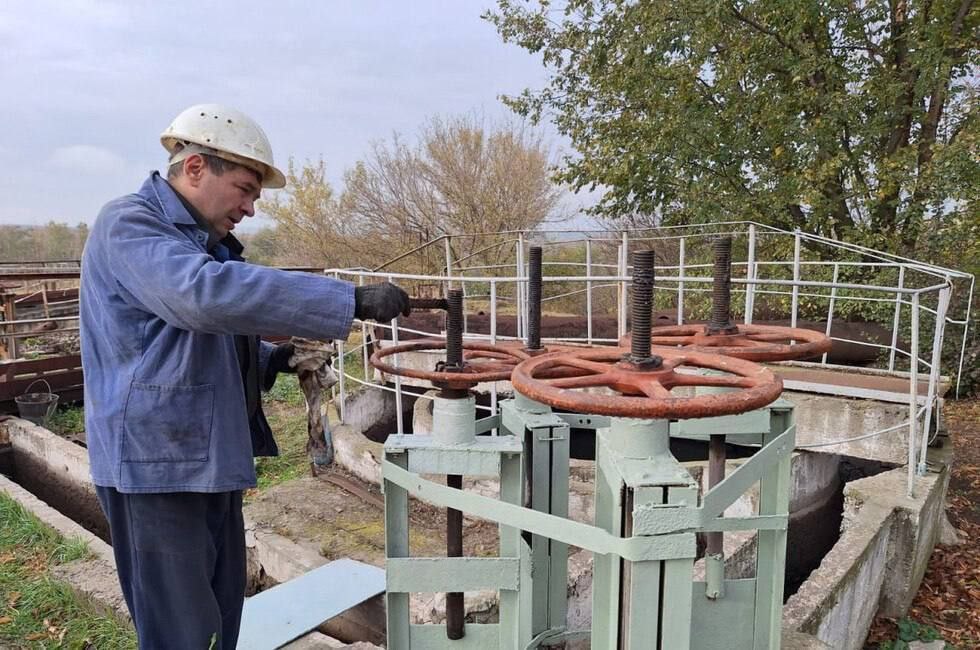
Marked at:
<point>227,199</point>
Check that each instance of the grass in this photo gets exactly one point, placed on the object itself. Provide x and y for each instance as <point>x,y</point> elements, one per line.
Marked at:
<point>285,409</point>
<point>67,420</point>
<point>37,611</point>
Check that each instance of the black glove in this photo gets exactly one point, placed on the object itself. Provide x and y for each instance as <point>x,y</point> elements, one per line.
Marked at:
<point>380,302</point>
<point>279,359</point>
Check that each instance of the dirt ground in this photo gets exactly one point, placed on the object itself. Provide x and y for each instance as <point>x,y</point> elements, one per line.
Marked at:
<point>339,523</point>
<point>949,598</point>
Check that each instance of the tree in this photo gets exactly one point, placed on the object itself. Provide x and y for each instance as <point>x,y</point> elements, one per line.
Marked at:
<point>849,119</point>
<point>310,227</point>
<point>462,177</point>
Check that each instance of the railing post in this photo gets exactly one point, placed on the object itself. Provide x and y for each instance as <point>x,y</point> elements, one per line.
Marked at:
<point>830,309</point>
<point>937,349</point>
<point>896,319</point>
<point>449,263</point>
<point>796,277</point>
<point>913,391</point>
<point>750,276</point>
<point>623,265</point>
<point>966,330</point>
<point>521,289</point>
<point>588,290</point>
<point>342,410</point>
<point>680,283</point>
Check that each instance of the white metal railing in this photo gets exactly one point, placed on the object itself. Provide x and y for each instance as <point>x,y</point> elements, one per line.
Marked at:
<point>777,264</point>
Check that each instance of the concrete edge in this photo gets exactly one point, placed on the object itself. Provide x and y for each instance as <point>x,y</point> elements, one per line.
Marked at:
<point>56,520</point>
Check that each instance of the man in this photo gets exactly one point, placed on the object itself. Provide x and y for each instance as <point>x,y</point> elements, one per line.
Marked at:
<point>170,320</point>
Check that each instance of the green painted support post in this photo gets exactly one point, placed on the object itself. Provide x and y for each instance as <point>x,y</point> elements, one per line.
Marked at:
<point>678,582</point>
<point>641,584</point>
<point>771,549</point>
<point>396,546</point>
<point>515,625</point>
<point>606,568</point>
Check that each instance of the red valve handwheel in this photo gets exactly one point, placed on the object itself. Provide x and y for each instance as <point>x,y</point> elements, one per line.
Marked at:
<point>749,342</point>
<point>643,391</point>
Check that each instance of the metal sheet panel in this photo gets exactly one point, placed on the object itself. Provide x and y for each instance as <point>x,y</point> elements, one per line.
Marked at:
<point>277,616</point>
<point>726,623</point>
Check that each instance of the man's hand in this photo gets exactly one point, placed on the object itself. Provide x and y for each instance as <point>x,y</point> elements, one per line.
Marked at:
<point>279,359</point>
<point>380,302</point>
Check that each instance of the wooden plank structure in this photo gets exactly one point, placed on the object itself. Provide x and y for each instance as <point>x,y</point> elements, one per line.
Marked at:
<point>63,374</point>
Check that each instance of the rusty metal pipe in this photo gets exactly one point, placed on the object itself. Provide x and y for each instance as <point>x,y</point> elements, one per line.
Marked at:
<point>454,518</point>
<point>454,548</point>
<point>716,474</point>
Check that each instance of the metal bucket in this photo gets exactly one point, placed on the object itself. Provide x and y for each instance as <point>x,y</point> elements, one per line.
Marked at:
<point>37,407</point>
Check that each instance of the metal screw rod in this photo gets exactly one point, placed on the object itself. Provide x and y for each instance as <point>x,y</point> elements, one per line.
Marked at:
<point>534,299</point>
<point>641,311</point>
<point>721,292</point>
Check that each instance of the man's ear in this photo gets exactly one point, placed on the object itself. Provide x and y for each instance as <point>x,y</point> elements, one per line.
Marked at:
<point>194,167</point>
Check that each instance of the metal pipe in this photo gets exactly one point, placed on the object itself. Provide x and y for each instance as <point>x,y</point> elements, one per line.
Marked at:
<point>680,285</point>
<point>454,548</point>
<point>913,391</point>
<point>624,257</point>
<point>750,271</point>
<point>796,278</point>
<point>937,345</point>
<point>830,311</point>
<point>896,319</point>
<point>588,291</point>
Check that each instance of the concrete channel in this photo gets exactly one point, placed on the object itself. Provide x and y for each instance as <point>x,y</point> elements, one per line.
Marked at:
<point>857,545</point>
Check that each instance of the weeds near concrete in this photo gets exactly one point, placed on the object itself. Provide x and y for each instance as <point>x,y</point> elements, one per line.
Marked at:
<point>37,611</point>
<point>909,631</point>
<point>67,420</point>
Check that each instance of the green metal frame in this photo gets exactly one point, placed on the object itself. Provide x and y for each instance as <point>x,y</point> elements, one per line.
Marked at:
<point>643,540</point>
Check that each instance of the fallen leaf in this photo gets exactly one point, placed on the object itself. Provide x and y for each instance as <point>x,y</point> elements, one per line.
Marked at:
<point>5,619</point>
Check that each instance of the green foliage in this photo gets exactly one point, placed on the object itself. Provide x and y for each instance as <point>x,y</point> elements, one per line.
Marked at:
<point>285,390</point>
<point>37,611</point>
<point>909,630</point>
<point>53,241</point>
<point>67,420</point>
<point>856,122</point>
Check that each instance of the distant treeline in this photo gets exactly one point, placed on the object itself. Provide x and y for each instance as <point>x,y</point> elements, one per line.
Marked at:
<point>53,241</point>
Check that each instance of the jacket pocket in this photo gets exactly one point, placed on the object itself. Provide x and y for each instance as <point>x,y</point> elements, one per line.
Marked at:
<point>167,423</point>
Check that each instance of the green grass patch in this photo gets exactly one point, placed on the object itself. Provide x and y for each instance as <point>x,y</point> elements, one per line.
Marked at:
<point>288,422</point>
<point>67,420</point>
<point>909,631</point>
<point>37,611</point>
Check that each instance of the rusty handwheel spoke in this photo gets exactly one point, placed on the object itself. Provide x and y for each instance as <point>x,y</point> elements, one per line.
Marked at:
<point>668,340</point>
<point>584,381</point>
<point>653,388</point>
<point>773,337</point>
<point>585,364</point>
<point>724,381</point>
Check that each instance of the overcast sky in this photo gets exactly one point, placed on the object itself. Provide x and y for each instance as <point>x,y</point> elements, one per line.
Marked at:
<point>88,85</point>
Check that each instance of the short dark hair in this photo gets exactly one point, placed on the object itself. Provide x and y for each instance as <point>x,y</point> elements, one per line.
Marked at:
<point>218,166</point>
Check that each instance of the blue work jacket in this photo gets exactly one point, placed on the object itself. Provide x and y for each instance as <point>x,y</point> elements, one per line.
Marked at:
<point>165,407</point>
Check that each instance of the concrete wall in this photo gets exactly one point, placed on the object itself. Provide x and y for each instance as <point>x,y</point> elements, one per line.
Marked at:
<point>822,419</point>
<point>58,471</point>
<point>878,562</point>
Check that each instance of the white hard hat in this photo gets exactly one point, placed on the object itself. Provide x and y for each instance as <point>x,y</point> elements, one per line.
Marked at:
<point>224,132</point>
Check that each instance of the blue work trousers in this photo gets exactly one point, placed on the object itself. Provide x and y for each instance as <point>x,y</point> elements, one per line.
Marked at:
<point>181,563</point>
